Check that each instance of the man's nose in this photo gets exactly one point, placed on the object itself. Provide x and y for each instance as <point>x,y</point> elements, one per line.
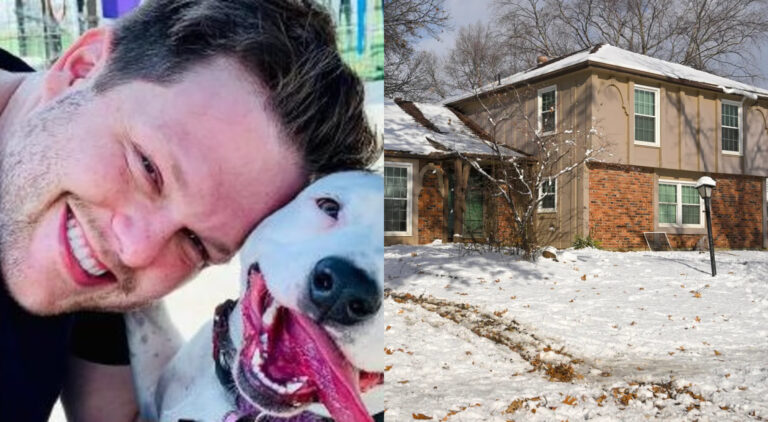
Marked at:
<point>141,235</point>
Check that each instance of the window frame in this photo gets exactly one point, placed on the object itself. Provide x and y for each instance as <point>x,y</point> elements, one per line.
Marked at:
<point>656,118</point>
<point>408,198</point>
<point>540,207</point>
<point>540,92</point>
<point>739,107</point>
<point>679,205</point>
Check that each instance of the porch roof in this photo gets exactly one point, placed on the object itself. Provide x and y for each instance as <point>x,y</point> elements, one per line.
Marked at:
<point>431,129</point>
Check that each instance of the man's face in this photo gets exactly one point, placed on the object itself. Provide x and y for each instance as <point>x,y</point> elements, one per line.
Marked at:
<point>111,200</point>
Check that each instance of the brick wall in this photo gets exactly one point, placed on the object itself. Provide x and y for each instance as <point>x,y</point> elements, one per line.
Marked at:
<point>620,205</point>
<point>737,212</point>
<point>621,209</point>
<point>430,209</point>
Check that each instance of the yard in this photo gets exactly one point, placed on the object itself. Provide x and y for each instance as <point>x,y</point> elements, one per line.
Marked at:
<point>597,335</point>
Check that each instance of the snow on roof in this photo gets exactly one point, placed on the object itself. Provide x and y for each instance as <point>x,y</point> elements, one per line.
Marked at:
<point>615,56</point>
<point>403,133</point>
<point>456,135</point>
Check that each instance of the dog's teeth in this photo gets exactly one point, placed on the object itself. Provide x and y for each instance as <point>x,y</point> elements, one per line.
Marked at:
<point>264,338</point>
<point>271,384</point>
<point>256,361</point>
<point>269,315</point>
<point>293,387</point>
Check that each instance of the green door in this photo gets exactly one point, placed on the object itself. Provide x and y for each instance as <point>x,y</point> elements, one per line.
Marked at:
<point>473,216</point>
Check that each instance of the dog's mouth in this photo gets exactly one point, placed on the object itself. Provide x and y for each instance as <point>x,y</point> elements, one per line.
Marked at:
<point>288,361</point>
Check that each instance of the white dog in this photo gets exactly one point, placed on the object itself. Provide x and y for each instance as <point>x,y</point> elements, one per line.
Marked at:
<point>306,328</point>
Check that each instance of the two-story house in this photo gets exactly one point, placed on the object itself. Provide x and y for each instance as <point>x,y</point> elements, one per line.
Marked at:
<point>660,126</point>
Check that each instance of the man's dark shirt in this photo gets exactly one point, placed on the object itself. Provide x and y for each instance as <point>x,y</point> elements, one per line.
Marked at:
<point>34,350</point>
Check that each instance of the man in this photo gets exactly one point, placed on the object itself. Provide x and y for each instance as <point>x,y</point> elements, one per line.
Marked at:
<point>147,152</point>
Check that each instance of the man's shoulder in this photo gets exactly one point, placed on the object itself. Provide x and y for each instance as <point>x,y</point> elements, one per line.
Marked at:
<point>33,360</point>
<point>11,63</point>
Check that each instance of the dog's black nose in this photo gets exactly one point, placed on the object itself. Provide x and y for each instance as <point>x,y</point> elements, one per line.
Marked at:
<point>342,292</point>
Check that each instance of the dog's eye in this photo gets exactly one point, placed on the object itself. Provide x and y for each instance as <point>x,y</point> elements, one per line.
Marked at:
<point>329,207</point>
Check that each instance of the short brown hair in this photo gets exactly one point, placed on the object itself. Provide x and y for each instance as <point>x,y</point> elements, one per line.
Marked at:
<point>289,45</point>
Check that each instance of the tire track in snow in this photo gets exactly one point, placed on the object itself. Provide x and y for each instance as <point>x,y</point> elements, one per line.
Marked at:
<point>557,364</point>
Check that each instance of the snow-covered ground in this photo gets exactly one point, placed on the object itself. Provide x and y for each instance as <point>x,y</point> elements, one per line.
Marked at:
<point>598,335</point>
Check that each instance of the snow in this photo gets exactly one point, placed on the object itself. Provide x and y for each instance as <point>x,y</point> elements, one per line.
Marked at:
<point>635,336</point>
<point>615,56</point>
<point>403,133</point>
<point>456,136</point>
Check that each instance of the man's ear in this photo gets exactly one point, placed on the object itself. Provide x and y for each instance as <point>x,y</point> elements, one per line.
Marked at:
<point>82,60</point>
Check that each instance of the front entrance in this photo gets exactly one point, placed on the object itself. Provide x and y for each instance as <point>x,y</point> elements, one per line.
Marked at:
<point>472,220</point>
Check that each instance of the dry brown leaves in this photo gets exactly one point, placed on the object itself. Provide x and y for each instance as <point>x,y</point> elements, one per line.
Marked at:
<point>452,412</point>
<point>623,395</point>
<point>561,372</point>
<point>600,400</point>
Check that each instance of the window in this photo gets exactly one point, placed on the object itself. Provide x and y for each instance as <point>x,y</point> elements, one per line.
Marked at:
<point>548,193</point>
<point>679,204</point>
<point>547,104</point>
<point>397,196</point>
<point>730,127</point>
<point>646,115</point>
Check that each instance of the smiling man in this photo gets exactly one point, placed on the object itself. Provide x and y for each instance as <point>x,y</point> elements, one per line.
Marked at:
<point>148,151</point>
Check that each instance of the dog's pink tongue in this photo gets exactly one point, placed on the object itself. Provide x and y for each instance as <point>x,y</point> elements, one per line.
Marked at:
<point>336,379</point>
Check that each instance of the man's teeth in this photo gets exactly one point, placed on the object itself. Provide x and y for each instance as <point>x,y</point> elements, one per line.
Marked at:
<point>80,249</point>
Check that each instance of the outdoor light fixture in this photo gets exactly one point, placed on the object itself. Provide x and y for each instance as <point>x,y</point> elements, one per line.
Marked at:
<point>705,185</point>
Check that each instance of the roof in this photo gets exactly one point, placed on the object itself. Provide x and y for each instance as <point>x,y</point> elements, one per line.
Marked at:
<point>430,129</point>
<point>402,133</point>
<point>604,54</point>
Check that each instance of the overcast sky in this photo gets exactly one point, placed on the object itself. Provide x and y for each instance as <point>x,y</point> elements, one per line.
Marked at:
<point>465,12</point>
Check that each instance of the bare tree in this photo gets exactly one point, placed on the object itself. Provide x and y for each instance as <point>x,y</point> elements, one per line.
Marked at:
<point>711,35</point>
<point>476,59</point>
<point>719,35</point>
<point>415,77</point>
<point>521,181</point>
<point>405,22</point>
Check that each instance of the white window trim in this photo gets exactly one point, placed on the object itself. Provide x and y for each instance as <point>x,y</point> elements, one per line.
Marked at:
<point>538,108</point>
<point>740,152</point>
<point>409,199</point>
<point>656,119</point>
<point>541,208</point>
<point>679,205</point>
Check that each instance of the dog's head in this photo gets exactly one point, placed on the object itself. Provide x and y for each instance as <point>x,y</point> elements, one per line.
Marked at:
<point>312,276</point>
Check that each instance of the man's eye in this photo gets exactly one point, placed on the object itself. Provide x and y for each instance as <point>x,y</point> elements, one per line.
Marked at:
<point>329,206</point>
<point>151,170</point>
<point>194,239</point>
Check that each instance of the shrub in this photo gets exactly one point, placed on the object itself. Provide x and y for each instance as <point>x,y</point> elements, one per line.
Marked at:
<point>586,242</point>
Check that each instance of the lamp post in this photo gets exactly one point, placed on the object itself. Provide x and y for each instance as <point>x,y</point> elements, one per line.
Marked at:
<point>705,185</point>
